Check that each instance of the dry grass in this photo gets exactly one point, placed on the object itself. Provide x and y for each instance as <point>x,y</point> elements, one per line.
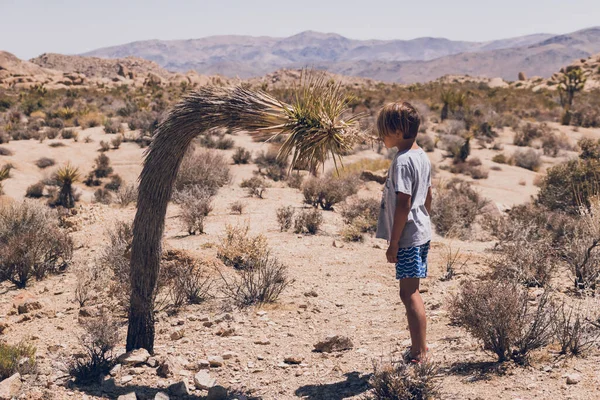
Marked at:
<point>204,168</point>
<point>455,207</point>
<point>239,249</point>
<point>328,191</point>
<point>16,358</point>
<point>397,380</point>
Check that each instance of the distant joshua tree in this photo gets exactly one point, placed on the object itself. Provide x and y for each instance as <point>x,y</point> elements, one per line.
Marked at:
<point>571,81</point>
<point>66,176</point>
<point>313,127</point>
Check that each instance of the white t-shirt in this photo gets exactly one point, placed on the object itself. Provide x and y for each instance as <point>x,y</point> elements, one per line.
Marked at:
<point>410,173</point>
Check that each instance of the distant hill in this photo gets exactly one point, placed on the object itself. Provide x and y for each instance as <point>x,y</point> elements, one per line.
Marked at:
<point>246,56</point>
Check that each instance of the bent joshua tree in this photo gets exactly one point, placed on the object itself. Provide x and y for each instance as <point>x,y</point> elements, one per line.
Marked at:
<point>314,129</point>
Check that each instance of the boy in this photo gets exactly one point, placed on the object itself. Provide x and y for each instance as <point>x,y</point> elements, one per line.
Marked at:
<point>404,216</point>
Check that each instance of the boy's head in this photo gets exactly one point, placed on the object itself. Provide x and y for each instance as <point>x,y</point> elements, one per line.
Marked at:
<point>398,119</point>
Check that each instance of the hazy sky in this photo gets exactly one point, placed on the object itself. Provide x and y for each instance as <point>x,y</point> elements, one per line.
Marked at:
<point>31,27</point>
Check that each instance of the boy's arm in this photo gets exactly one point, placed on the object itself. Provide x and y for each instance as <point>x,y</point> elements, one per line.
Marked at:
<point>428,201</point>
<point>403,203</point>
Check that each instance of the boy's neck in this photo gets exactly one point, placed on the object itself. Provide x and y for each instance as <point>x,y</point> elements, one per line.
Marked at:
<point>407,144</point>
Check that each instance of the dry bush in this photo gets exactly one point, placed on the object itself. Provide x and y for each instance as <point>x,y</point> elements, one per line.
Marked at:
<point>285,217</point>
<point>472,168</point>
<point>104,146</point>
<point>271,165</point>
<point>452,144</point>
<point>103,196</point>
<point>57,144</point>
<point>237,207</point>
<point>116,142</point>
<point>352,233</point>
<point>455,206</point>
<point>329,191</point>
<point>573,330</point>
<point>499,314</point>
<point>45,162</point>
<point>203,168</point>
<point>115,257</point>
<point>262,282</point>
<point>453,260</point>
<point>99,340</point>
<point>552,144</point>
<point>590,148</point>
<point>426,143</point>
<point>241,156</point>
<point>239,249</point>
<point>453,127</point>
<point>525,134</point>
<point>31,243</point>
<point>89,120</point>
<point>115,183</point>
<point>126,195</point>
<point>360,216</point>
<point>112,126</point>
<point>295,180</point>
<point>189,283</point>
<point>196,204</point>
<point>102,167</point>
<point>308,221</point>
<point>16,358</point>
<point>364,164</point>
<point>557,188</point>
<point>501,159</point>
<point>255,186</point>
<point>528,159</point>
<point>224,143</point>
<point>398,380</point>
<point>35,191</point>
<point>69,134</point>
<point>585,115</point>
<point>5,152</point>
<point>52,133</point>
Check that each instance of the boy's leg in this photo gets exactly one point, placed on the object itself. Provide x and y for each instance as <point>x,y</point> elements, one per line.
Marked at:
<point>415,313</point>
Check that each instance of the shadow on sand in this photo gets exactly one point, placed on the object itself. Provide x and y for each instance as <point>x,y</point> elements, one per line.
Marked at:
<point>354,384</point>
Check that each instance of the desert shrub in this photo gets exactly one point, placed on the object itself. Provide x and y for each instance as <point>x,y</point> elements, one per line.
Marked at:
<point>426,142</point>
<point>115,257</point>
<point>365,164</point>
<point>87,139</point>
<point>237,207</point>
<point>69,134</point>
<point>99,340</point>
<point>56,144</point>
<point>294,180</point>
<point>500,315</point>
<point>328,191</point>
<point>126,195</point>
<point>528,159</point>
<point>552,144</point>
<point>116,142</point>
<point>51,133</point>
<point>102,167</point>
<point>89,120</point>
<point>144,121</point>
<point>255,186</point>
<point>585,115</point>
<point>190,282</point>
<point>104,146</point>
<point>4,137</point>
<point>590,148</point>
<point>241,156</point>
<point>453,127</point>
<point>31,243</point>
<point>308,221</point>
<point>398,380</point>
<point>569,184</point>
<point>500,159</point>
<point>35,191</point>
<point>453,260</point>
<point>352,233</point>
<point>271,165</point>
<point>45,162</point>
<point>5,152</point>
<point>573,330</point>
<point>115,183</point>
<point>64,178</point>
<point>362,213</point>
<point>195,203</point>
<point>452,144</point>
<point>16,358</point>
<point>455,207</point>
<point>111,126</point>
<point>262,282</point>
<point>472,168</point>
<point>285,217</point>
<point>239,249</point>
<point>203,168</point>
<point>103,196</point>
<point>525,134</point>
<point>91,180</point>
<point>224,143</point>
<point>56,123</point>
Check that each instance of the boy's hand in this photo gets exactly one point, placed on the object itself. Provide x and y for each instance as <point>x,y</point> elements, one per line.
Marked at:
<point>392,253</point>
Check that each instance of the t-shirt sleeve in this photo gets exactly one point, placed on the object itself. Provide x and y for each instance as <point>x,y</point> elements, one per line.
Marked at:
<point>404,180</point>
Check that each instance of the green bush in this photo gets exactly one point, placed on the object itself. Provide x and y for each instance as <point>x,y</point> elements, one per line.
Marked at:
<point>16,358</point>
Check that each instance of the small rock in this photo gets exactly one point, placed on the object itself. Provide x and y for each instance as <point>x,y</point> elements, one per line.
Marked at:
<point>225,332</point>
<point>134,357</point>
<point>115,370</point>
<point>10,387</point>
<point>152,362</point>
<point>311,293</point>
<point>217,393</point>
<point>261,313</point>
<point>203,364</point>
<point>87,312</point>
<point>168,367</point>
<point>3,326</point>
<point>223,317</point>
<point>293,359</point>
<point>179,389</point>
<point>228,355</point>
<point>573,379</point>
<point>207,324</point>
<point>161,396</point>
<point>263,341</point>
<point>334,343</point>
<point>178,334</point>
<point>126,379</point>
<point>28,306</point>
<point>203,318</point>
<point>128,396</point>
<point>215,361</point>
<point>203,380</point>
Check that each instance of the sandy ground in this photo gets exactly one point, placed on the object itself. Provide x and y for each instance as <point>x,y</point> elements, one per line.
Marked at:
<point>357,296</point>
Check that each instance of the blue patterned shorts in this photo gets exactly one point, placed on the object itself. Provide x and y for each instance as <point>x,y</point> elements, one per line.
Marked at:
<point>412,262</point>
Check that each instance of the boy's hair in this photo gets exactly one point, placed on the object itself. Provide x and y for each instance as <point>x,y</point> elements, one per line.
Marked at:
<point>395,118</point>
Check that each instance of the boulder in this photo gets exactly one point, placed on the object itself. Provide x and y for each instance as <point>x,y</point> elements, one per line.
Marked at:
<point>178,334</point>
<point>25,303</point>
<point>522,76</point>
<point>179,389</point>
<point>215,361</point>
<point>134,357</point>
<point>334,343</point>
<point>10,387</point>
<point>217,393</point>
<point>203,380</point>
<point>153,79</point>
<point>573,379</point>
<point>293,359</point>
